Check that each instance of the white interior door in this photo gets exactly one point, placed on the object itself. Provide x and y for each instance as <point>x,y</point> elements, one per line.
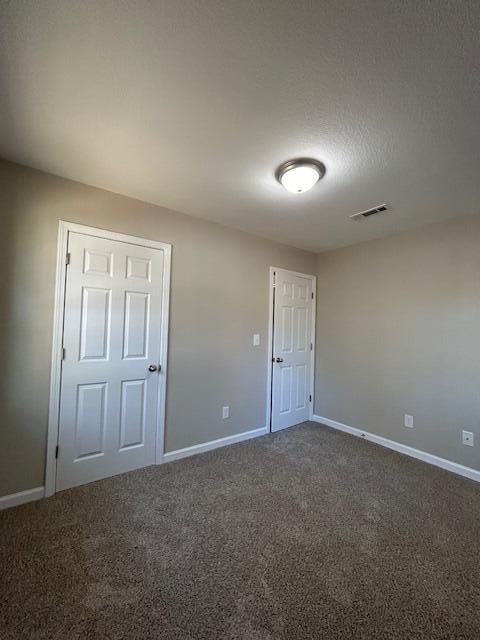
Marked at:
<point>110,370</point>
<point>292,349</point>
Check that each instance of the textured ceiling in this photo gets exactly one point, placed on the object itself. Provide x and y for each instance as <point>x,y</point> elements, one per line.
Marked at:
<point>192,105</point>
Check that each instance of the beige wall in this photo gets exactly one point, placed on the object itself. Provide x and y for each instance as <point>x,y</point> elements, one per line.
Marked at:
<point>398,332</point>
<point>219,298</point>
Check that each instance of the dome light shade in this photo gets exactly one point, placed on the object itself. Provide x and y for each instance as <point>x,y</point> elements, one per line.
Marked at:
<point>298,176</point>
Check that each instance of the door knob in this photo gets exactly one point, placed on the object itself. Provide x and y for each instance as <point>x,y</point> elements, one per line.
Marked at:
<point>153,367</point>
<point>279,360</point>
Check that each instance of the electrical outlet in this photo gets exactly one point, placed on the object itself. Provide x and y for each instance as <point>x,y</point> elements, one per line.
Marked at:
<point>225,413</point>
<point>408,421</point>
<point>467,438</point>
<point>256,339</point>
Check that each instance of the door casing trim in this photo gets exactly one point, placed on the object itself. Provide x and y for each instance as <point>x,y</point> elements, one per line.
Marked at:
<point>64,228</point>
<point>271,297</point>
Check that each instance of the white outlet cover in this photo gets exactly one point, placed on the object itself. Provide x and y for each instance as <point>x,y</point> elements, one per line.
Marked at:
<point>225,413</point>
<point>467,438</point>
<point>256,339</point>
<point>408,421</point>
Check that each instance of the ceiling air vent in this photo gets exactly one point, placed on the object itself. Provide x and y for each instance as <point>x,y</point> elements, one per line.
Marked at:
<point>363,215</point>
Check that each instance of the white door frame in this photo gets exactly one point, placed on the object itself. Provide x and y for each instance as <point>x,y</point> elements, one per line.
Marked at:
<point>64,228</point>
<point>271,299</point>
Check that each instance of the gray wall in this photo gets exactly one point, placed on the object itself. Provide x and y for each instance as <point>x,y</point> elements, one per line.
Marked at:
<point>398,332</point>
<point>219,298</point>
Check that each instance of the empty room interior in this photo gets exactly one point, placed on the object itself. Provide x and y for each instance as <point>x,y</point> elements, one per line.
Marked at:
<point>240,320</point>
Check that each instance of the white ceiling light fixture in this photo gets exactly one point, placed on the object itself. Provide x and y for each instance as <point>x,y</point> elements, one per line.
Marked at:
<point>300,175</point>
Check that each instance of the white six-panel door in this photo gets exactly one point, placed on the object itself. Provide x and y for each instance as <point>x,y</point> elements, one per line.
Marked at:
<point>292,344</point>
<point>112,335</point>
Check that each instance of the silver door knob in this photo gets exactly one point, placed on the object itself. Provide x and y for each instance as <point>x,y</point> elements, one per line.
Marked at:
<point>153,367</point>
<point>279,360</point>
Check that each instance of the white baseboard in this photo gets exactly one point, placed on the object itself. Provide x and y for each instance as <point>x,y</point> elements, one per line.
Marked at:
<point>14,499</point>
<point>213,444</point>
<point>454,467</point>
<point>22,497</point>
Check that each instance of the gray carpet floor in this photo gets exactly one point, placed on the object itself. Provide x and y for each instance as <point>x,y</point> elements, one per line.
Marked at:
<point>308,533</point>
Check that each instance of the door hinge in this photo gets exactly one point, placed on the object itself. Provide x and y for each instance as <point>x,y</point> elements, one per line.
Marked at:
<point>64,353</point>
<point>311,346</point>
<point>56,451</point>
<point>67,259</point>
<point>310,398</point>
<point>274,279</point>
<point>312,295</point>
